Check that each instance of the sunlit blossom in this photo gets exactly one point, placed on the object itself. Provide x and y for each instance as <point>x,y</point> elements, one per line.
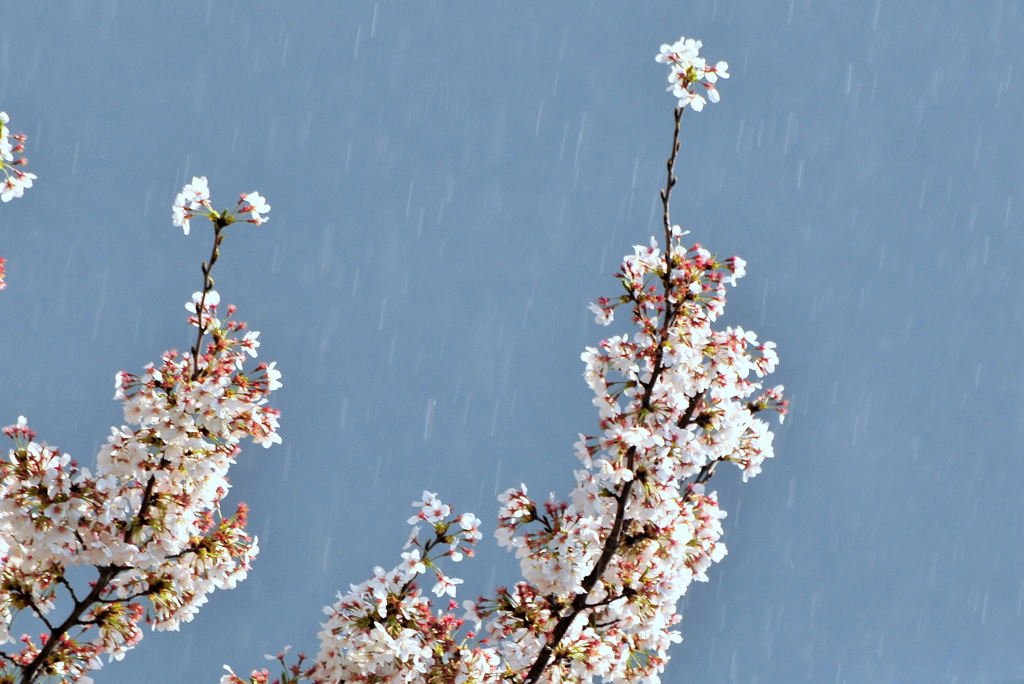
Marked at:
<point>687,69</point>
<point>14,181</point>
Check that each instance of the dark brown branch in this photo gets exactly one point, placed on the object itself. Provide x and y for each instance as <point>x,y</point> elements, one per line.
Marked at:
<point>144,505</point>
<point>606,602</point>
<point>39,613</point>
<point>703,476</point>
<point>687,417</point>
<point>126,599</point>
<point>29,672</point>
<point>670,181</point>
<point>612,543</point>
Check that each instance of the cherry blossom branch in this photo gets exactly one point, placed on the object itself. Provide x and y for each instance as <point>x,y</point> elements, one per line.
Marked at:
<point>613,541</point>
<point>186,416</point>
<point>108,573</point>
<point>29,672</point>
<point>620,552</point>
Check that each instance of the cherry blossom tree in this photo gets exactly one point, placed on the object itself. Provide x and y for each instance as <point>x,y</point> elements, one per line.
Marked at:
<point>604,570</point>
<point>145,528</point>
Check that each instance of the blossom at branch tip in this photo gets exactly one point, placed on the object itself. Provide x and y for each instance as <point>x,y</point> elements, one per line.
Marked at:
<point>687,69</point>
<point>194,199</point>
<point>431,510</point>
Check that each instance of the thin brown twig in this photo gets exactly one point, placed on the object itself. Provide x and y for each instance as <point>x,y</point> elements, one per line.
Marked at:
<point>67,585</point>
<point>611,545</point>
<point>219,223</point>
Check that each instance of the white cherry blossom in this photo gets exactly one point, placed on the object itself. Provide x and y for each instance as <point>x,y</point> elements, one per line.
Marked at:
<point>445,585</point>
<point>14,181</point>
<point>687,69</point>
<point>194,197</point>
<point>255,205</point>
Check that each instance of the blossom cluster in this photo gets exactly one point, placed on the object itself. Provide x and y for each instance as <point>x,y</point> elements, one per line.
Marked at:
<point>194,199</point>
<point>147,518</point>
<point>687,69</point>
<point>15,181</point>
<point>386,630</point>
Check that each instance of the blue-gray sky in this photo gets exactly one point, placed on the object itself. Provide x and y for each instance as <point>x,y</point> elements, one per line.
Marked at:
<point>452,183</point>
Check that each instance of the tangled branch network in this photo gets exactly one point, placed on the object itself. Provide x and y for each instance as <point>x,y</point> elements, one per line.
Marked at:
<point>604,570</point>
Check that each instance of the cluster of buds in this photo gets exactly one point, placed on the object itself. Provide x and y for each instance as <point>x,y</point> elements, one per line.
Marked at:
<point>15,181</point>
<point>148,520</point>
<point>687,69</point>
<point>194,199</point>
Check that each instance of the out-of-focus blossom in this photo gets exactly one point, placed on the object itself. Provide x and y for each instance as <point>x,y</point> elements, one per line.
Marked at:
<point>194,197</point>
